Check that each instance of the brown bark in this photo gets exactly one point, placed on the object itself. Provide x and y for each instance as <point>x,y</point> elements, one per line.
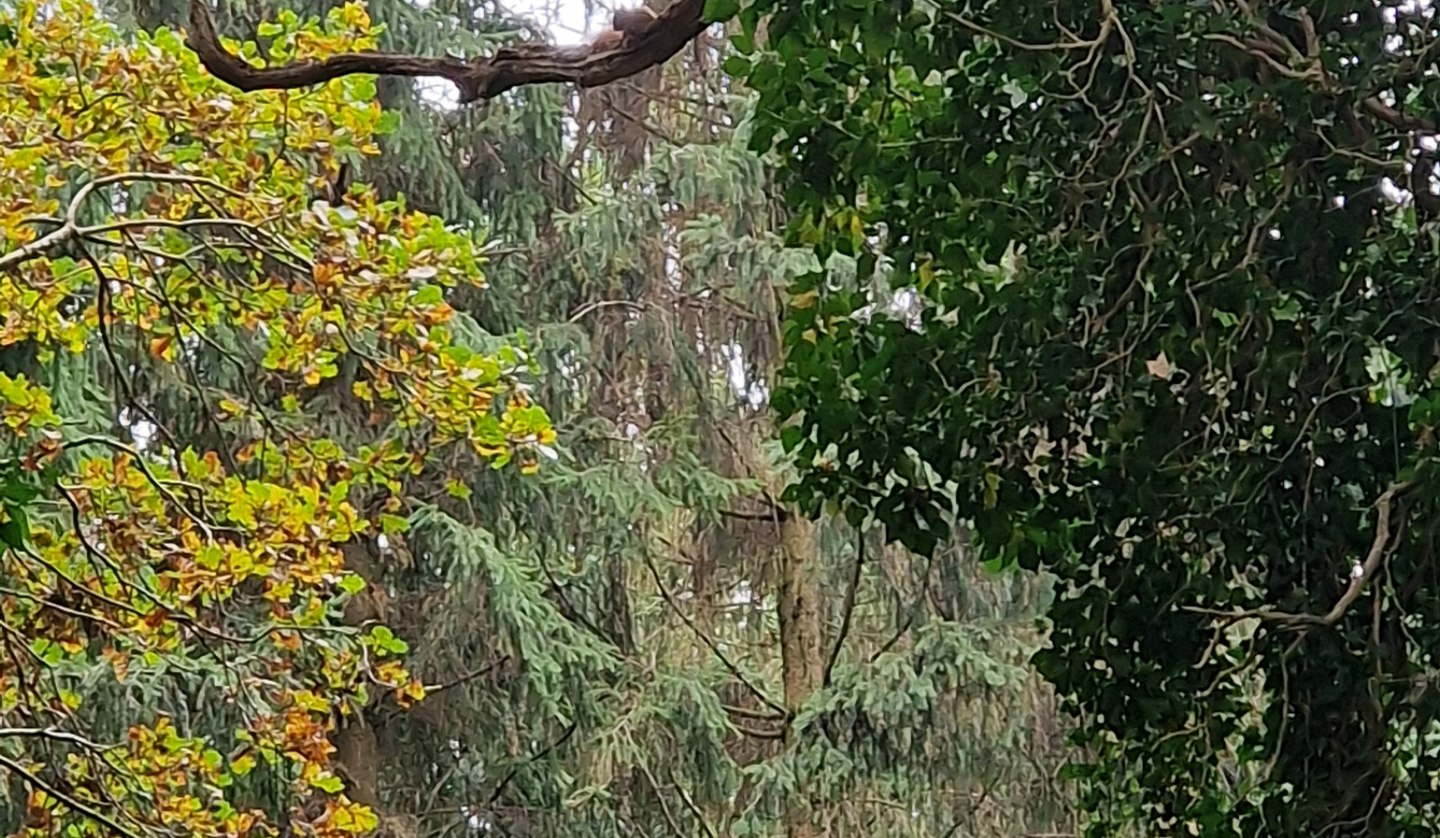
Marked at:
<point>357,755</point>
<point>356,748</point>
<point>702,579</point>
<point>802,639</point>
<point>621,625</point>
<point>476,78</point>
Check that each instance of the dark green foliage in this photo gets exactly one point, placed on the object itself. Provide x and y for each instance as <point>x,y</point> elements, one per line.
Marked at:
<point>1176,342</point>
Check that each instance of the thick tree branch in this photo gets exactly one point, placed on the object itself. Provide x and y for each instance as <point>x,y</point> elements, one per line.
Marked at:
<point>476,78</point>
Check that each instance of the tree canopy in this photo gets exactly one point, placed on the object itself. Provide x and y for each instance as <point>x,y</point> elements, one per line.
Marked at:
<point>1119,311</point>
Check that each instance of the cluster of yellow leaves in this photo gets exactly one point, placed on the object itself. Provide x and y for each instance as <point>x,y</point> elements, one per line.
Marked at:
<point>24,407</point>
<point>144,204</point>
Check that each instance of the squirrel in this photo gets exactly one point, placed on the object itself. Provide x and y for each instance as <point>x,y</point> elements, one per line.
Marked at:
<point>625,26</point>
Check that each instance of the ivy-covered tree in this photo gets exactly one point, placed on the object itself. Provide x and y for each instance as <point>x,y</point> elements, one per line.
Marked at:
<point>1164,324</point>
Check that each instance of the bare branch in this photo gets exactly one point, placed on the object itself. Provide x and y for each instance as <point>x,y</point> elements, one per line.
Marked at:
<point>477,78</point>
<point>705,638</point>
<point>35,781</point>
<point>469,676</point>
<point>847,609</point>
<point>1386,113</point>
<point>54,734</point>
<point>70,226</point>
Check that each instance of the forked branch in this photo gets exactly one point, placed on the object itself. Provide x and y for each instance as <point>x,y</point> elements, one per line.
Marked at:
<point>476,78</point>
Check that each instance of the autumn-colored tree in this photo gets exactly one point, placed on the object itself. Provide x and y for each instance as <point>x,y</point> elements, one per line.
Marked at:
<point>152,223</point>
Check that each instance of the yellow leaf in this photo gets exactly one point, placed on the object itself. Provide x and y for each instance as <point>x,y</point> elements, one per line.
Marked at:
<point>412,692</point>
<point>927,273</point>
<point>307,700</point>
<point>242,765</point>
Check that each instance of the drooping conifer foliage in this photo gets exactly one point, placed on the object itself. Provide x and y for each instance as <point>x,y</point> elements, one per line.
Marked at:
<point>1170,333</point>
<point>640,259</point>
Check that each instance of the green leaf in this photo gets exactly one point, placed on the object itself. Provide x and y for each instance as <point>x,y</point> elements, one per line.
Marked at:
<point>719,10</point>
<point>385,640</point>
<point>1287,311</point>
<point>15,526</point>
<point>390,524</point>
<point>352,583</point>
<point>17,489</point>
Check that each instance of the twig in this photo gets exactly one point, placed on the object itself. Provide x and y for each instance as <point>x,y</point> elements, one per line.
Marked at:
<point>1378,549</point>
<point>690,804</point>
<point>704,638</point>
<point>52,733</point>
<point>599,304</point>
<point>660,798</point>
<point>895,638</point>
<point>467,677</point>
<point>767,516</point>
<point>755,733</point>
<point>495,796</point>
<point>70,227</point>
<point>1009,41</point>
<point>848,609</point>
<point>79,806</point>
<point>746,713</point>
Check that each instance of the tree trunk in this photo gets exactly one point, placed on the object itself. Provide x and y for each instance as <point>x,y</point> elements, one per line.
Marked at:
<point>802,641</point>
<point>357,755</point>
<point>356,748</point>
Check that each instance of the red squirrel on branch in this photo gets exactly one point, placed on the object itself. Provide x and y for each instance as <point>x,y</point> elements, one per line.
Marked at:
<point>625,26</point>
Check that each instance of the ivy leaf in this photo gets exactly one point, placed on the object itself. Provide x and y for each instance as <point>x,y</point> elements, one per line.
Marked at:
<point>1159,367</point>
